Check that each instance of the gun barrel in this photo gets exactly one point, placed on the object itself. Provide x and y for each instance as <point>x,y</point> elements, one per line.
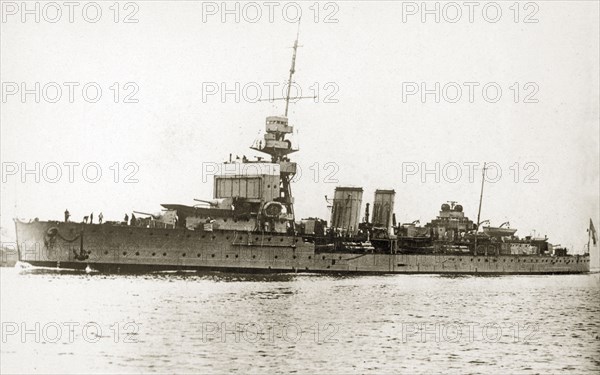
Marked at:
<point>212,203</point>
<point>147,214</point>
<point>142,213</point>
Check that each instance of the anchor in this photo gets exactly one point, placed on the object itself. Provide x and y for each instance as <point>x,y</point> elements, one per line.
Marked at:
<point>83,255</point>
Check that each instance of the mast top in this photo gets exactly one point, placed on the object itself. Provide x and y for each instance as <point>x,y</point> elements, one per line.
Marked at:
<point>292,69</point>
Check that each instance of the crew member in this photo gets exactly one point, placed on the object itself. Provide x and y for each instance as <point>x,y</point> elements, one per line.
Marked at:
<point>67,215</point>
<point>92,218</point>
<point>126,219</point>
<point>100,218</point>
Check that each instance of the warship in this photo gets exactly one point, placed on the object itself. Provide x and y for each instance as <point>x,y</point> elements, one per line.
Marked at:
<point>249,225</point>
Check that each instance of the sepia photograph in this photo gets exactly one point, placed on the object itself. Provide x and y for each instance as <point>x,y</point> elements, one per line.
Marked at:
<point>312,187</point>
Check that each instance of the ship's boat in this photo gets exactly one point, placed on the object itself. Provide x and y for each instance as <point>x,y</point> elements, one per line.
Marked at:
<point>499,231</point>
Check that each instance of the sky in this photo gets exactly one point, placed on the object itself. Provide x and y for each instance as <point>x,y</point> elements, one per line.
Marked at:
<point>409,98</point>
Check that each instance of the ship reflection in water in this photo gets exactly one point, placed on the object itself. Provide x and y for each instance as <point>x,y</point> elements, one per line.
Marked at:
<point>215,323</point>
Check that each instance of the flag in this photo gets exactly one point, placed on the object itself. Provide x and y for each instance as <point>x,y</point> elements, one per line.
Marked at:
<point>592,232</point>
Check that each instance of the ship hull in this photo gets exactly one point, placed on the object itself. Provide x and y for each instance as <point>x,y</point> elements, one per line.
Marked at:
<point>123,249</point>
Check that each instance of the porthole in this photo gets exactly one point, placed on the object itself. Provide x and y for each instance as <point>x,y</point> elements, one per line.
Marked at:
<point>212,255</point>
<point>164,254</point>
<point>236,255</point>
<point>151,233</point>
<point>106,253</point>
<point>198,255</point>
<point>166,234</point>
<point>294,257</point>
<point>281,240</point>
<point>188,235</point>
<point>275,257</point>
<point>124,253</point>
<point>137,253</point>
<point>309,257</point>
<point>226,256</point>
<point>183,255</point>
<point>153,254</point>
<point>253,256</point>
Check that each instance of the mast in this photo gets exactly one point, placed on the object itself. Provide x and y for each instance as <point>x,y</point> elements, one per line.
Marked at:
<point>278,146</point>
<point>589,237</point>
<point>292,69</point>
<point>479,210</point>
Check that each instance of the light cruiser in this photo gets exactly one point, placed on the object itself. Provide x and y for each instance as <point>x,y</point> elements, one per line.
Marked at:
<point>250,225</point>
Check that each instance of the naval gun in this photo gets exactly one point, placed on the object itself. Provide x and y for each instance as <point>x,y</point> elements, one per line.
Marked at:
<point>154,216</point>
<point>220,203</point>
